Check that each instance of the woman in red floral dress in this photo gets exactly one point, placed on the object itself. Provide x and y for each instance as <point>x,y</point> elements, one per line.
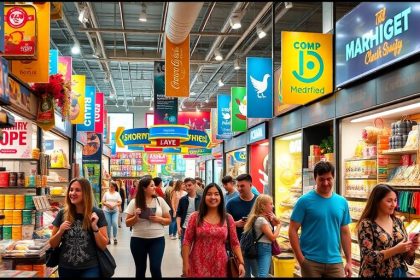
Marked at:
<point>203,250</point>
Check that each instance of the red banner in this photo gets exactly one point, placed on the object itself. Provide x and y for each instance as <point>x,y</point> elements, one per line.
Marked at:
<point>157,159</point>
<point>259,166</point>
<point>168,142</point>
<point>99,112</point>
<point>195,120</point>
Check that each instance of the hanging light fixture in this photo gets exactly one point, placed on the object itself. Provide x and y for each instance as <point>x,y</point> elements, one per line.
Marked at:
<point>236,65</point>
<point>288,5</point>
<point>235,20</point>
<point>207,100</point>
<point>75,49</point>
<point>143,14</point>
<point>260,31</point>
<point>83,18</point>
<point>220,83</point>
<point>97,53</point>
<point>217,55</point>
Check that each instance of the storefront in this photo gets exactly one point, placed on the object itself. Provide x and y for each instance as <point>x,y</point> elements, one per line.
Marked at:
<point>258,147</point>
<point>217,154</point>
<point>236,156</point>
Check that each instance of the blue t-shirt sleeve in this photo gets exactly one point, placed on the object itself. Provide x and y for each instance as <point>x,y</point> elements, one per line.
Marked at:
<point>298,211</point>
<point>346,217</point>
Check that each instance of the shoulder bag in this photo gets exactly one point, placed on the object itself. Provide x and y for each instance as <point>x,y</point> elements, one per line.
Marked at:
<point>106,262</point>
<point>233,263</point>
<point>52,256</point>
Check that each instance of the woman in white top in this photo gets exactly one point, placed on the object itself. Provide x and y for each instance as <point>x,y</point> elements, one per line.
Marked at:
<point>147,214</point>
<point>263,219</point>
<point>111,202</point>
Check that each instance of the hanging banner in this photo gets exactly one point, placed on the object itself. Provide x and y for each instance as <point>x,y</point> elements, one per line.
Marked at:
<point>65,67</point>
<point>157,159</point>
<point>259,87</point>
<point>4,81</point>
<point>197,138</point>
<point>169,131</point>
<point>16,142</point>
<point>259,165</point>
<point>199,152</point>
<point>99,112</point>
<point>108,130</point>
<point>165,108</point>
<point>223,117</point>
<point>177,72</point>
<point>238,102</point>
<point>53,62</point>
<point>139,136</point>
<point>113,144</point>
<point>89,122</point>
<point>1,27</point>
<point>21,97</point>
<point>195,120</point>
<point>35,71</point>
<point>307,70</point>
<point>105,120</point>
<point>92,159</point>
<point>77,102</point>
<point>213,127</point>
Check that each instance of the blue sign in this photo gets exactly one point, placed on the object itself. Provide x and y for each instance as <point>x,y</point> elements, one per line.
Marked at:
<point>138,136</point>
<point>49,145</point>
<point>168,131</point>
<point>257,133</point>
<point>113,144</point>
<point>374,35</point>
<point>53,65</point>
<point>224,117</point>
<point>197,138</point>
<point>259,87</point>
<point>135,148</point>
<point>89,123</point>
<point>239,156</point>
<point>171,150</point>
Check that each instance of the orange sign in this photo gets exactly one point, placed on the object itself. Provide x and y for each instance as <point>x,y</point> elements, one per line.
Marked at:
<point>177,68</point>
<point>36,71</point>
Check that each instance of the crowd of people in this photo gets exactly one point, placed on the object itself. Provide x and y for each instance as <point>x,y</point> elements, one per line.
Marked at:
<point>206,219</point>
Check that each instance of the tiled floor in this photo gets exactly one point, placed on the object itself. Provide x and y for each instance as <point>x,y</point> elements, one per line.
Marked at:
<point>171,264</point>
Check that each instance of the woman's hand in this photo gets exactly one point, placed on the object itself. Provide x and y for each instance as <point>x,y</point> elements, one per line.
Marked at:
<point>94,221</point>
<point>185,269</point>
<point>241,270</point>
<point>404,247</point>
<point>156,219</point>
<point>64,226</point>
<point>273,219</point>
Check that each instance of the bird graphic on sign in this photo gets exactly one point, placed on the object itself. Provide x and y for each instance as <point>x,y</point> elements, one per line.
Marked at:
<point>260,86</point>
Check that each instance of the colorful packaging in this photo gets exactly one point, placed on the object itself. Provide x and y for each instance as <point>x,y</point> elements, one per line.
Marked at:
<point>16,232</point>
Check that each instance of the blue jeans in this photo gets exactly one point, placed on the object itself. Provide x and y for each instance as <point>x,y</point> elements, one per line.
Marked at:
<point>399,273</point>
<point>264,259</point>
<point>93,272</point>
<point>112,221</point>
<point>172,225</point>
<point>251,267</point>
<point>140,248</point>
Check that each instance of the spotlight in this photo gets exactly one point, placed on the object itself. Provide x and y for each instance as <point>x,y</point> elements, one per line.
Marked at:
<point>260,32</point>
<point>217,55</point>
<point>288,5</point>
<point>221,83</point>
<point>207,100</point>
<point>235,21</point>
<point>192,93</point>
<point>83,15</point>
<point>143,14</point>
<point>236,65</point>
<point>75,49</point>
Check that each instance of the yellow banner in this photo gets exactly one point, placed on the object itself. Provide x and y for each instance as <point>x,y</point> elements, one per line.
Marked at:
<point>77,99</point>
<point>177,68</point>
<point>307,66</point>
<point>36,71</point>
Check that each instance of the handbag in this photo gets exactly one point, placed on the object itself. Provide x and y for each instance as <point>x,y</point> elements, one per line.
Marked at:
<point>106,262</point>
<point>275,248</point>
<point>52,256</point>
<point>233,263</point>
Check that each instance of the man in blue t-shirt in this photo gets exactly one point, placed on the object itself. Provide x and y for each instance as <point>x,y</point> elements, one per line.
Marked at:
<point>239,207</point>
<point>324,217</point>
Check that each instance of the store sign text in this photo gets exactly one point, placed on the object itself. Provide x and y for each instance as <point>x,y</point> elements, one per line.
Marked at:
<point>16,142</point>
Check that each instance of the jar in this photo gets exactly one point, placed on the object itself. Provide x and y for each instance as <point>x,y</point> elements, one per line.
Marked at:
<point>21,179</point>
<point>13,179</point>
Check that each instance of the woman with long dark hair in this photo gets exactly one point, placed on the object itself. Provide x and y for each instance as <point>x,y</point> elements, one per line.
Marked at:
<point>147,214</point>
<point>385,247</point>
<point>204,246</point>
<point>80,228</point>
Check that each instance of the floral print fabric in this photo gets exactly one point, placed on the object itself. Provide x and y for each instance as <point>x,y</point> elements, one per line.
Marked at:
<point>208,257</point>
<point>372,240</point>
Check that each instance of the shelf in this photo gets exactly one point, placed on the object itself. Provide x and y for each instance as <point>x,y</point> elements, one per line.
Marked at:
<point>371,177</point>
<point>359,159</point>
<point>399,152</point>
<point>57,182</point>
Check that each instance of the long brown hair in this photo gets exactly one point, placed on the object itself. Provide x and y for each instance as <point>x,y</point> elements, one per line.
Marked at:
<point>257,210</point>
<point>141,196</point>
<point>70,208</point>
<point>177,187</point>
<point>203,208</point>
<point>371,209</point>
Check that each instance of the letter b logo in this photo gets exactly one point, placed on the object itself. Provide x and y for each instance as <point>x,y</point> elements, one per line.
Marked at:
<point>309,66</point>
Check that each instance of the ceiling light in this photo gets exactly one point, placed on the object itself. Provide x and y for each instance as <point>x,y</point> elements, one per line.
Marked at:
<point>197,110</point>
<point>386,113</point>
<point>75,49</point>
<point>116,104</point>
<point>235,21</point>
<point>288,5</point>
<point>126,108</point>
<point>97,53</point>
<point>260,32</point>
<point>217,55</point>
<point>192,93</point>
<point>143,14</point>
<point>207,100</point>
<point>236,65</point>
<point>151,108</point>
<point>83,15</point>
<point>221,83</point>
<point>291,137</point>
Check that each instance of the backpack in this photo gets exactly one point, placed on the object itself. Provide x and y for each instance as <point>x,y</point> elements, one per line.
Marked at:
<point>249,243</point>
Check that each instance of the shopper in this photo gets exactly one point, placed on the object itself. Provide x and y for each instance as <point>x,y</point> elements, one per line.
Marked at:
<point>80,228</point>
<point>147,214</point>
<point>200,186</point>
<point>239,207</point>
<point>262,219</point>
<point>122,206</point>
<point>175,196</point>
<point>229,185</point>
<point>168,192</point>
<point>187,205</point>
<point>158,187</point>
<point>322,213</point>
<point>204,246</point>
<point>111,202</point>
<point>385,247</point>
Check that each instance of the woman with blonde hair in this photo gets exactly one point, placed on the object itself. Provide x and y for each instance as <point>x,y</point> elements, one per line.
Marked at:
<point>262,219</point>
<point>175,196</point>
<point>79,228</point>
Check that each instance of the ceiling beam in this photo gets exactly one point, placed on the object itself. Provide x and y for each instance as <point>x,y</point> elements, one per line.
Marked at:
<point>155,32</point>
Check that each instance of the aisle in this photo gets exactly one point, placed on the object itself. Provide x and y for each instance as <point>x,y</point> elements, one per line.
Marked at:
<point>171,264</point>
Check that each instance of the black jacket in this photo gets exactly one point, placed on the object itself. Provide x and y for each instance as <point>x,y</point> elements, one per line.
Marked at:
<point>183,207</point>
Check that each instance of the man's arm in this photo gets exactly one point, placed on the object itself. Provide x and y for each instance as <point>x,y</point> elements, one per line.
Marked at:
<point>346,244</point>
<point>294,241</point>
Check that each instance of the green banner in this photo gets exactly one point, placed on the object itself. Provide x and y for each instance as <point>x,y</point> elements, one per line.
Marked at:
<point>238,109</point>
